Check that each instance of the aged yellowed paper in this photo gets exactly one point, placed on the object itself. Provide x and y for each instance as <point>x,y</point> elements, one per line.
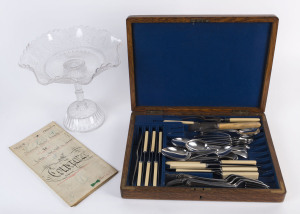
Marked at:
<point>67,166</point>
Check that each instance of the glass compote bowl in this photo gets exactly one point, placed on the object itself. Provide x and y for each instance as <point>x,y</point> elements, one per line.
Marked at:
<point>73,56</point>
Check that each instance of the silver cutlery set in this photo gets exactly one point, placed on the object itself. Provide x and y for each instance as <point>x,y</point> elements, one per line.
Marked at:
<point>217,156</point>
<point>216,148</point>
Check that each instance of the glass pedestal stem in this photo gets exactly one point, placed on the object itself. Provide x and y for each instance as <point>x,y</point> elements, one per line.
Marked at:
<point>79,92</point>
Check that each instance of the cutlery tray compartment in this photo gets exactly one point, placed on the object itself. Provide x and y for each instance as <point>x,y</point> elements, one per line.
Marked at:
<point>258,151</point>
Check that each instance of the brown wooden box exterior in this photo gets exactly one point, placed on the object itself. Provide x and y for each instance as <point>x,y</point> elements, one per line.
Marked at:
<point>191,193</point>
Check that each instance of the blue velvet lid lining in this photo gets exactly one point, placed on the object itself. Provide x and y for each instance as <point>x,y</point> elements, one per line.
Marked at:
<point>200,64</point>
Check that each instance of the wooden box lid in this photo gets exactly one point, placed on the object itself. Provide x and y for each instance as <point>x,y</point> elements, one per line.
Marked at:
<point>202,63</point>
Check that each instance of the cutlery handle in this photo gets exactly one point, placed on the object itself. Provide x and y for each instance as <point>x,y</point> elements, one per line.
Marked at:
<point>146,141</point>
<point>188,165</point>
<point>139,178</point>
<point>245,125</point>
<point>155,174</point>
<point>240,162</point>
<point>159,142</point>
<point>153,141</point>
<point>240,169</point>
<point>251,175</point>
<point>194,170</point>
<point>147,174</point>
<point>234,120</point>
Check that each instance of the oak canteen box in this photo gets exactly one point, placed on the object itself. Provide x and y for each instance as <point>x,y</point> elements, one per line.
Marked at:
<point>192,68</point>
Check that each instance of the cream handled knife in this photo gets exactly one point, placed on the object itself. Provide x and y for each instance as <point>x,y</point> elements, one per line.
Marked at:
<point>148,166</point>
<point>233,123</point>
<point>157,164</point>
<point>153,145</point>
<point>141,162</point>
<point>222,126</point>
<point>159,148</point>
<point>225,120</point>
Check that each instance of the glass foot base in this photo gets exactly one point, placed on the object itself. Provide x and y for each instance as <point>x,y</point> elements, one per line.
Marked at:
<point>83,116</point>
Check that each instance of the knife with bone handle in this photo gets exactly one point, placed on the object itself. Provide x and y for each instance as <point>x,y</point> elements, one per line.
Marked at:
<point>150,158</point>
<point>215,119</point>
<point>160,143</point>
<point>138,156</point>
<point>212,126</point>
<point>154,159</point>
<point>141,162</point>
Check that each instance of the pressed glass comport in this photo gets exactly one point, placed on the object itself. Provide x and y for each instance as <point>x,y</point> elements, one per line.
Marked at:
<point>73,56</point>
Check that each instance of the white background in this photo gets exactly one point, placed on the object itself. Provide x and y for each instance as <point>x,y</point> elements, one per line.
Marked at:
<point>26,106</point>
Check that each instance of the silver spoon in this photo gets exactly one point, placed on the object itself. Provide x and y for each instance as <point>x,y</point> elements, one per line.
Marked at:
<point>197,146</point>
<point>182,154</point>
<point>179,142</point>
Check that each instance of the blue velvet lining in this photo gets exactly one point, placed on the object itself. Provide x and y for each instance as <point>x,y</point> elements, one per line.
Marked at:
<point>258,151</point>
<point>200,64</point>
